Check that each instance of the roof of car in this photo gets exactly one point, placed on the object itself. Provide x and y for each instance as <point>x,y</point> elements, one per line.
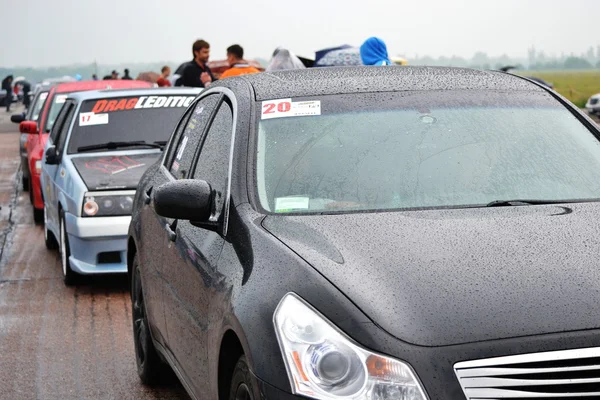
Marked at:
<point>41,89</point>
<point>107,94</point>
<point>338,80</point>
<point>67,87</point>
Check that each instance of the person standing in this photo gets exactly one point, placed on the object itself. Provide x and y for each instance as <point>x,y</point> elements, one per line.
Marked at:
<point>374,52</point>
<point>164,74</point>
<point>126,75</point>
<point>114,75</point>
<point>197,73</point>
<point>7,86</point>
<point>235,58</point>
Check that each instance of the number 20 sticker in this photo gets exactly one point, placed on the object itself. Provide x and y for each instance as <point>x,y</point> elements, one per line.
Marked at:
<point>285,108</point>
<point>276,108</point>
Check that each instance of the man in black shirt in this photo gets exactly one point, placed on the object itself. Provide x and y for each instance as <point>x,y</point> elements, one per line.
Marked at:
<point>7,85</point>
<point>126,76</point>
<point>197,73</point>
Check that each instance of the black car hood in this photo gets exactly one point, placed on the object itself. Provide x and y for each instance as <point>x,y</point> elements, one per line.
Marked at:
<point>443,277</point>
<point>118,171</point>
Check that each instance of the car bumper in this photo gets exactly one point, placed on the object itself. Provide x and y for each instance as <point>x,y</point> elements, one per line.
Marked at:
<point>23,145</point>
<point>25,166</point>
<point>98,245</point>
<point>595,108</point>
<point>36,190</point>
<point>23,153</point>
<point>270,392</point>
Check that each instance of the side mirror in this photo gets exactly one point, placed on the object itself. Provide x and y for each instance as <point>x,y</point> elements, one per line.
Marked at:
<point>51,156</point>
<point>28,127</point>
<point>187,199</point>
<point>17,118</point>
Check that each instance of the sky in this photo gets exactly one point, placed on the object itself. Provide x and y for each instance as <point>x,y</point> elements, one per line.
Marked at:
<point>63,32</point>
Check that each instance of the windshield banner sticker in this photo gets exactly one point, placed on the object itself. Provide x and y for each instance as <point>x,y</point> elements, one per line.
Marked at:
<point>142,102</point>
<point>286,108</point>
<point>61,98</point>
<point>285,204</point>
<point>90,118</point>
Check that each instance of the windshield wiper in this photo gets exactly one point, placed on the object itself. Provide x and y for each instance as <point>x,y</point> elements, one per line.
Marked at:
<point>115,145</point>
<point>521,202</point>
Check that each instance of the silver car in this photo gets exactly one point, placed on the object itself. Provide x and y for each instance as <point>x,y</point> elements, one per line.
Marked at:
<point>99,147</point>
<point>32,114</point>
<point>593,104</point>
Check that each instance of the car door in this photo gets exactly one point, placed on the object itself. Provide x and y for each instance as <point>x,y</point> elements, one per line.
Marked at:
<point>191,270</point>
<point>155,232</point>
<point>53,175</point>
<point>151,239</point>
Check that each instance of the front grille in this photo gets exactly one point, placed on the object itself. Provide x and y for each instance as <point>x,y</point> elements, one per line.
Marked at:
<point>557,375</point>
<point>594,101</point>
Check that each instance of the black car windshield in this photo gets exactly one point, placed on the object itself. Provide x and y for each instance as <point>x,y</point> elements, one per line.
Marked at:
<point>147,119</point>
<point>58,100</point>
<point>434,149</point>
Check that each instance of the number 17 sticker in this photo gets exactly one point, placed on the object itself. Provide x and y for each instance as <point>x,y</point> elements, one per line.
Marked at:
<point>90,118</point>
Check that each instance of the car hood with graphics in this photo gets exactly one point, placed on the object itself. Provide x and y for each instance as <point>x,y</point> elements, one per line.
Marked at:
<point>115,171</point>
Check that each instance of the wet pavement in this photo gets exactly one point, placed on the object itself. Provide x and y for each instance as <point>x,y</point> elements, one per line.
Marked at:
<point>58,342</point>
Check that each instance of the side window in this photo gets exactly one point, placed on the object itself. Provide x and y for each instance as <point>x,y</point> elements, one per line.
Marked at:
<point>176,136</point>
<point>64,127</point>
<point>59,122</point>
<point>213,161</point>
<point>190,139</point>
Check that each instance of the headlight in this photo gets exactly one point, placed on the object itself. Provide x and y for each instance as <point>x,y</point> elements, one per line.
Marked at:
<point>323,363</point>
<point>107,205</point>
<point>90,207</point>
<point>38,166</point>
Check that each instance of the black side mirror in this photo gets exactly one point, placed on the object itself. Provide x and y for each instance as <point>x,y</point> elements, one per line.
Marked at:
<point>187,199</point>
<point>17,118</point>
<point>51,156</point>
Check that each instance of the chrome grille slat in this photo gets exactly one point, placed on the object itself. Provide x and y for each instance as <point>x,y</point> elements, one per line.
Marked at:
<point>557,374</point>
<point>488,394</point>
<point>534,357</point>
<point>504,382</point>
<point>472,373</point>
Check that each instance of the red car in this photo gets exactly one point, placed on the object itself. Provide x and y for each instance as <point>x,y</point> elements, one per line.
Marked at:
<point>38,135</point>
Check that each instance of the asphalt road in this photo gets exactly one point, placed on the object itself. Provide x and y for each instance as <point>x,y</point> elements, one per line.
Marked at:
<point>58,342</point>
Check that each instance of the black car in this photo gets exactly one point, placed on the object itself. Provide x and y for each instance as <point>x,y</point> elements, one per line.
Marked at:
<point>540,81</point>
<point>533,78</point>
<point>372,233</point>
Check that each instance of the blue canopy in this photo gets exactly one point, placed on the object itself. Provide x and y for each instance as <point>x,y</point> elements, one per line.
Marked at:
<point>340,58</point>
<point>321,53</point>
